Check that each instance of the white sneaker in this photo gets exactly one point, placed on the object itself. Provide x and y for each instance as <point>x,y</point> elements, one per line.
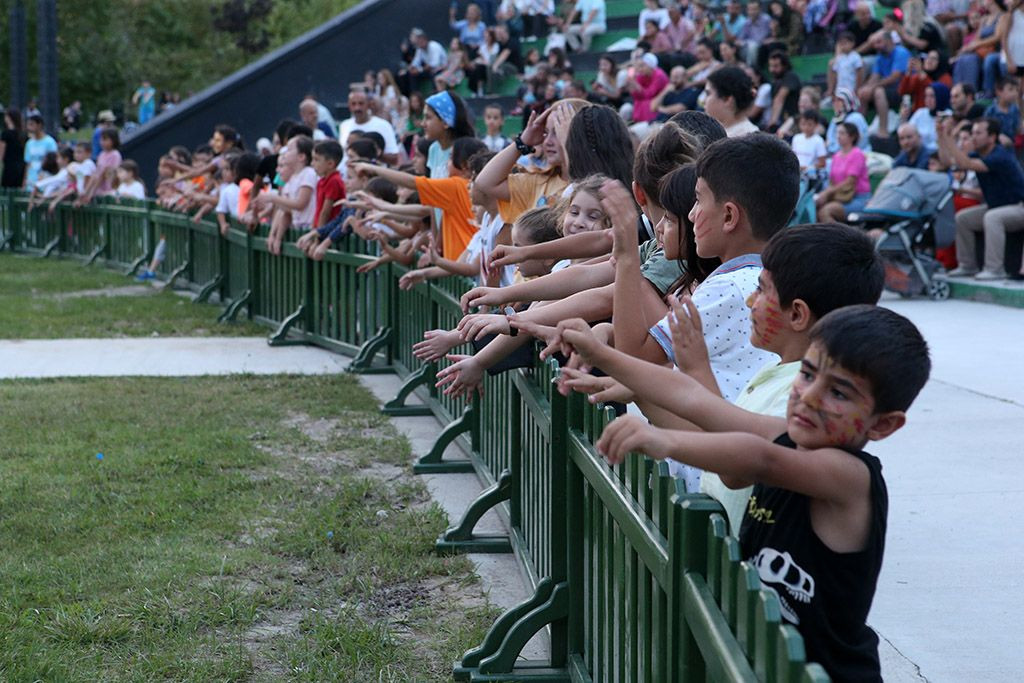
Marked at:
<point>990,275</point>
<point>962,272</point>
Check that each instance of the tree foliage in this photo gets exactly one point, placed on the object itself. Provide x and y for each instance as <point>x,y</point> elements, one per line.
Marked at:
<point>106,48</point>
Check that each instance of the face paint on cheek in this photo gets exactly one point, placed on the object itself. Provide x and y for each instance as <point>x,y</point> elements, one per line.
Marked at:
<point>772,322</point>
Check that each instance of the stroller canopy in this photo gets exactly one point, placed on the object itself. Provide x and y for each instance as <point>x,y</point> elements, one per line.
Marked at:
<point>909,193</point>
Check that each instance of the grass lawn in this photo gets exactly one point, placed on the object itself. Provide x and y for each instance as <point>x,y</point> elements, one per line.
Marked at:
<point>58,299</point>
<point>235,529</point>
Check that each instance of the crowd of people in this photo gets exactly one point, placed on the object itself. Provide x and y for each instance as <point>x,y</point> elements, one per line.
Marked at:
<point>642,225</point>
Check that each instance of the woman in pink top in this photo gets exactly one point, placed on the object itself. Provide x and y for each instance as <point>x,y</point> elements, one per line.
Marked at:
<point>849,170</point>
<point>645,86</point>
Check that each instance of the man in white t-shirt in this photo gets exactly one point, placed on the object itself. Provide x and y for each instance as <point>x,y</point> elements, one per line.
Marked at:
<point>359,107</point>
<point>591,14</point>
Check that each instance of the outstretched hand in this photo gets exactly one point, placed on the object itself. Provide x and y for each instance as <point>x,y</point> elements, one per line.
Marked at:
<point>618,203</point>
<point>688,343</point>
<point>462,378</point>
<point>598,389</point>
<point>631,433</point>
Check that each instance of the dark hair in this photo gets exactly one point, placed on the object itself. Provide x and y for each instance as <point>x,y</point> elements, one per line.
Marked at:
<point>329,149</point>
<point>130,166</point>
<point>969,90</point>
<point>111,134</point>
<point>463,127</point>
<point>246,166</point>
<point>477,162</point>
<point>382,188</point>
<point>852,131</point>
<point>66,153</point>
<point>16,121</point>
<point>374,137</point>
<point>229,134</point>
<point>366,149</point>
<point>203,149</point>
<point>827,265</point>
<point>677,195</point>
<point>1006,80</point>
<point>283,129</point>
<point>660,154</point>
<point>463,149</point>
<point>758,172</point>
<point>423,146</point>
<point>879,345</point>
<point>599,142</point>
<point>495,105</point>
<point>992,125</point>
<point>732,81</point>
<point>540,224</point>
<point>809,115</point>
<point>702,127</point>
<point>298,129</point>
<point>783,58</point>
<point>84,145</point>
<point>35,118</point>
<point>847,35</point>
<point>49,162</point>
<point>180,154</point>
<point>304,146</point>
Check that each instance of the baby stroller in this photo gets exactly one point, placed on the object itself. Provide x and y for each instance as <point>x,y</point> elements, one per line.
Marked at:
<point>913,209</point>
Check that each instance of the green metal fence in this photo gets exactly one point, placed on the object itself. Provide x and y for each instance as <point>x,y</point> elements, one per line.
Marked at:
<point>633,579</point>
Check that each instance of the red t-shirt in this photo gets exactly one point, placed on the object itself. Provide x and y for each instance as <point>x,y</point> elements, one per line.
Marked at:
<point>330,188</point>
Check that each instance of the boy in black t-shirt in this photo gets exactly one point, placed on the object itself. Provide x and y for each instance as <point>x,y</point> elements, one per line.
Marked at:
<point>815,523</point>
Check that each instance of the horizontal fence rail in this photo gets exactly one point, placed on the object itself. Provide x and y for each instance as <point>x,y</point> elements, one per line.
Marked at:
<point>633,579</point>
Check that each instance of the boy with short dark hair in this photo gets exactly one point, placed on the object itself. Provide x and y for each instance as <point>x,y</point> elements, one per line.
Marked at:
<point>494,119</point>
<point>815,524</point>
<point>330,188</point>
<point>1004,109</point>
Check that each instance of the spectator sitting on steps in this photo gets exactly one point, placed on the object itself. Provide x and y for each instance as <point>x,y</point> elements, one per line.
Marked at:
<point>1002,186</point>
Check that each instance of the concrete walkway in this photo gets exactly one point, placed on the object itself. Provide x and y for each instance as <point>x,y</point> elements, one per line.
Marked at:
<point>950,599</point>
<point>161,357</point>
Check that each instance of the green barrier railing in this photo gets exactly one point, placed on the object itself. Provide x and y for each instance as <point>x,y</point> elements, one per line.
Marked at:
<point>633,580</point>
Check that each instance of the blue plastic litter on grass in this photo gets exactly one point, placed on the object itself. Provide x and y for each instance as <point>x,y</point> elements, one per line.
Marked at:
<point>330,534</point>
<point>99,456</point>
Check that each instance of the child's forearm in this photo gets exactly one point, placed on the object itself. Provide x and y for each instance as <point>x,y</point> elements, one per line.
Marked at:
<point>400,178</point>
<point>583,245</point>
<point>684,396</point>
<point>465,268</point>
<point>562,284</point>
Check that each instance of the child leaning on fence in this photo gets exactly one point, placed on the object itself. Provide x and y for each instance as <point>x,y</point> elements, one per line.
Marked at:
<point>815,525</point>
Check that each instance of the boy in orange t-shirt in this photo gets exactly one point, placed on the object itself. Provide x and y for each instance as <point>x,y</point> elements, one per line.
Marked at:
<point>451,194</point>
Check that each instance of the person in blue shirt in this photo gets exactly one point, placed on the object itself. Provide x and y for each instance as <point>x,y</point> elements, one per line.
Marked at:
<point>912,152</point>
<point>1005,110</point>
<point>145,97</point>
<point>38,145</point>
<point>1002,187</point>
<point>882,87</point>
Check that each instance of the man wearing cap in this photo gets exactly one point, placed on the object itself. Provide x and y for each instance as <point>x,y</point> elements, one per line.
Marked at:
<point>359,107</point>
<point>428,59</point>
<point>105,119</point>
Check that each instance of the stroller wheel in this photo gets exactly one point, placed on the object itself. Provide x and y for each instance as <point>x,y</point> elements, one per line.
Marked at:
<point>938,290</point>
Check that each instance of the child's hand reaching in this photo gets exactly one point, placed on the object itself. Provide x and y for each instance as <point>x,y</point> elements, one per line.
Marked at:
<point>507,255</point>
<point>479,325</point>
<point>321,250</point>
<point>463,377</point>
<point>688,343</point>
<point>598,389</point>
<point>618,203</point>
<point>632,433</point>
<point>481,296</point>
<point>435,344</point>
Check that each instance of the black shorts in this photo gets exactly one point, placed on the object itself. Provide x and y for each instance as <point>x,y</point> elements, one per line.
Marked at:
<point>892,94</point>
